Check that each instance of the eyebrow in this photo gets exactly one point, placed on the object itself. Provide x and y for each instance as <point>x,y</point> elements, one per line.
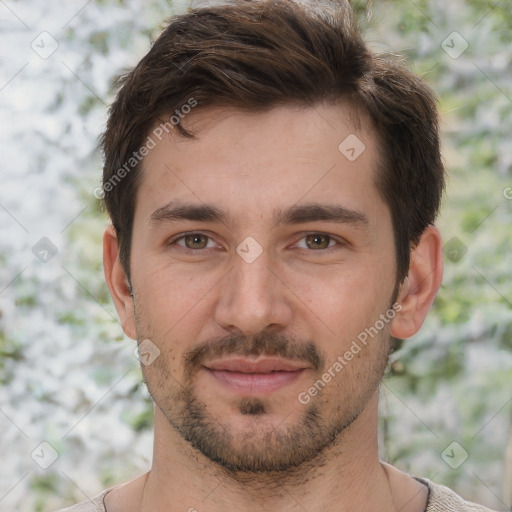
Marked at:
<point>296,214</point>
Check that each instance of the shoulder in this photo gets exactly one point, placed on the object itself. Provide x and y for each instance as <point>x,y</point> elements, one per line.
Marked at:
<point>443,499</point>
<point>125,496</point>
<point>93,505</point>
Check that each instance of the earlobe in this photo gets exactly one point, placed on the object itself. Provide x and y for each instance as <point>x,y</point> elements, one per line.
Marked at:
<point>421,285</point>
<point>117,282</point>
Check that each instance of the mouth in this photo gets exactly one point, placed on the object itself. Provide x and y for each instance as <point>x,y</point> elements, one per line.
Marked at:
<point>255,377</point>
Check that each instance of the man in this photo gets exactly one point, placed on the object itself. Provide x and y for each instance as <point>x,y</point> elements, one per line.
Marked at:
<point>272,187</point>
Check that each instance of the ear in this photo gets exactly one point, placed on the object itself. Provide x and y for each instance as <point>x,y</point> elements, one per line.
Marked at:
<point>118,282</point>
<point>421,285</point>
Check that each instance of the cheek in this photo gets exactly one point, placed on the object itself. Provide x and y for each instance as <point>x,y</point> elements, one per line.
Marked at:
<point>168,293</point>
<point>343,301</point>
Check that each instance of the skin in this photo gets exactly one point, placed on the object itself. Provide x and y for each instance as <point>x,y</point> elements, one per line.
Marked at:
<point>316,284</point>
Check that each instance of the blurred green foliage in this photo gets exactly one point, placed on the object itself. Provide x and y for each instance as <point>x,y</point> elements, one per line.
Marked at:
<point>452,381</point>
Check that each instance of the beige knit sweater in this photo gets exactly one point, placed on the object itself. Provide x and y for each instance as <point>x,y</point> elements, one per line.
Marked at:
<point>440,499</point>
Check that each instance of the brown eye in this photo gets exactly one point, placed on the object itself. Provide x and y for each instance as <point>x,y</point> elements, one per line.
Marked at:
<point>196,241</point>
<point>317,241</point>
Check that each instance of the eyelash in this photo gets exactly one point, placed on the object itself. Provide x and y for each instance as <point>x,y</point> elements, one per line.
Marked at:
<point>337,241</point>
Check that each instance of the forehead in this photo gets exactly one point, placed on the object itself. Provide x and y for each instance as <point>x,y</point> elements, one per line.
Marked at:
<point>261,161</point>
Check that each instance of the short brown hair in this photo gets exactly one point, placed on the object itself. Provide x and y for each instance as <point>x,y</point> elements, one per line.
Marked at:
<point>255,55</point>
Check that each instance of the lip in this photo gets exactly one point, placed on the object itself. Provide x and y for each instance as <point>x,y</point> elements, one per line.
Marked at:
<point>255,378</point>
<point>262,365</point>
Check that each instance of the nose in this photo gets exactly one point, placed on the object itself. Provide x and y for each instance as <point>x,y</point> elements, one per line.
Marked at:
<point>253,298</point>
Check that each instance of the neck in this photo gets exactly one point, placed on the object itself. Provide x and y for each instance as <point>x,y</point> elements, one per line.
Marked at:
<point>347,476</point>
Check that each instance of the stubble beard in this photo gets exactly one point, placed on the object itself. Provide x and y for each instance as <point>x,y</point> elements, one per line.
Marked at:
<point>263,449</point>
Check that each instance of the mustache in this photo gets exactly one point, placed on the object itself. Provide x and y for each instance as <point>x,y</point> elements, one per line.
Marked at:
<point>266,343</point>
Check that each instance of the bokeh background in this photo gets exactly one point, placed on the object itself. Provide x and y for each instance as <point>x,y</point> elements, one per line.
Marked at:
<point>74,415</point>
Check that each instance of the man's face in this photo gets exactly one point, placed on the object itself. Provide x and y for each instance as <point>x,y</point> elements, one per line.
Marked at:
<point>251,306</point>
